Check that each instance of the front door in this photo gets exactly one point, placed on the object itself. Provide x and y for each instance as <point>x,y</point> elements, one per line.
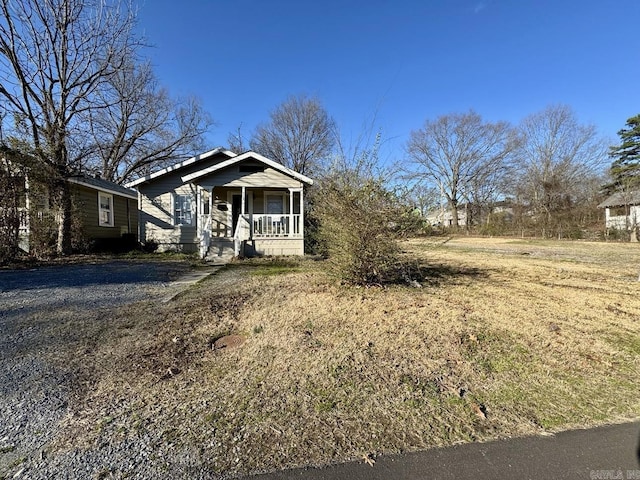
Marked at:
<point>236,206</point>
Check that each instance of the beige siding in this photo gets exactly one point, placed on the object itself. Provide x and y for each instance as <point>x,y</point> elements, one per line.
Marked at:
<point>157,210</point>
<point>86,204</point>
<point>156,216</point>
<point>232,177</point>
<point>275,247</point>
<point>221,213</point>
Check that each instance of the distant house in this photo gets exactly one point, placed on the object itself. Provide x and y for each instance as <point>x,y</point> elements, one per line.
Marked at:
<point>223,204</point>
<point>443,217</point>
<point>622,211</point>
<point>105,213</point>
<point>470,214</point>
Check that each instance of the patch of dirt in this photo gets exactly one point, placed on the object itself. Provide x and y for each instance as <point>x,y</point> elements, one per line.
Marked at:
<point>228,342</point>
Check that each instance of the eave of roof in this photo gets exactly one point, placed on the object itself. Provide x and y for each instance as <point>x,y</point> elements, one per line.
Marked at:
<point>245,156</point>
<point>621,198</point>
<point>104,186</point>
<point>178,166</point>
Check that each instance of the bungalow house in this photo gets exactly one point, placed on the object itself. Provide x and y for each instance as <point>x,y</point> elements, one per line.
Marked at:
<point>622,211</point>
<point>443,217</point>
<point>222,204</point>
<point>106,213</point>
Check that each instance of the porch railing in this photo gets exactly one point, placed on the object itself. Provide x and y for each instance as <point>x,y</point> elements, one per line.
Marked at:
<point>205,234</point>
<point>281,225</point>
<point>241,234</point>
<point>23,226</point>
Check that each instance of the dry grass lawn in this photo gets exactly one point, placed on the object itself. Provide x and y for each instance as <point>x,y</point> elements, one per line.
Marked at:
<point>506,337</point>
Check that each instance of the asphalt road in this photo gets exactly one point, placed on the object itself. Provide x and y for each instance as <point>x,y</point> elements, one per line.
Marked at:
<point>609,452</point>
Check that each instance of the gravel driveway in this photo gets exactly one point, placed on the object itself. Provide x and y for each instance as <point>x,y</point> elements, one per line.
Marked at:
<point>35,392</point>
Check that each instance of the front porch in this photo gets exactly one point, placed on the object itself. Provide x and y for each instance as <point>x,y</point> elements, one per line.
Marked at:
<point>252,220</point>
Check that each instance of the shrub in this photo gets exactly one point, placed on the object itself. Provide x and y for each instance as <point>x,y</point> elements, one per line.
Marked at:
<point>359,227</point>
<point>150,246</point>
<point>43,234</point>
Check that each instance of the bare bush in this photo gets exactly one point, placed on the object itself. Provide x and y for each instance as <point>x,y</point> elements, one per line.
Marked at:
<point>357,232</point>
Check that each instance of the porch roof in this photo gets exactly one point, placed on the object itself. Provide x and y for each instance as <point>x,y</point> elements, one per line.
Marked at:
<point>245,156</point>
<point>621,198</point>
<point>194,159</point>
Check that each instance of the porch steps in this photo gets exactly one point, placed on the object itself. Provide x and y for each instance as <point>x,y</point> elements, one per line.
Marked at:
<point>221,251</point>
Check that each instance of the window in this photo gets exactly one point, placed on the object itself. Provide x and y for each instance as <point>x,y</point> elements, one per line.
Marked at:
<point>105,209</point>
<point>182,210</point>
<point>620,211</point>
<point>274,204</point>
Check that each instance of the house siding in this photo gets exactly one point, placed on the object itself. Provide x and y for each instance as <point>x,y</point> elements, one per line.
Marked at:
<point>232,177</point>
<point>275,247</point>
<point>156,217</point>
<point>124,221</point>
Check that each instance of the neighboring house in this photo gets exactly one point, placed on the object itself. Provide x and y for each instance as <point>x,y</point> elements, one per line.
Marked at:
<point>105,212</point>
<point>470,213</point>
<point>222,204</point>
<point>443,217</point>
<point>622,211</point>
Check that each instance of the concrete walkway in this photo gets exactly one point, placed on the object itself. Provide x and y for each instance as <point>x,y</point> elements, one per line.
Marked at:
<point>609,452</point>
<point>191,278</point>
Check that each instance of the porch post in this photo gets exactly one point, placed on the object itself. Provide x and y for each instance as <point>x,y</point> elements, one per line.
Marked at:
<point>290,217</point>
<point>301,229</point>
<point>199,209</point>
<point>242,205</point>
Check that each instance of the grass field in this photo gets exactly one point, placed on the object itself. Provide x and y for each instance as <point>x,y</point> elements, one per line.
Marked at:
<point>504,338</point>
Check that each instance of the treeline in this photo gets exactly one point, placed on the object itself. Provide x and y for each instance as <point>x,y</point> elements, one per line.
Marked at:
<point>543,177</point>
<point>78,95</point>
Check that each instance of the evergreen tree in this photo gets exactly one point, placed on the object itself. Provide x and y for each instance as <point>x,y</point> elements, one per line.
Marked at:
<point>625,169</point>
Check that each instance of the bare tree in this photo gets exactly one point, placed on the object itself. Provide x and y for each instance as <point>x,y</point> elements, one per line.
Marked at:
<point>236,141</point>
<point>557,162</point>
<point>55,56</point>
<point>300,135</point>
<point>458,154</point>
<point>141,126</point>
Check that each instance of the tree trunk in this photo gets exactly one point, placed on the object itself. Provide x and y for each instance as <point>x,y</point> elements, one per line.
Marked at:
<point>454,214</point>
<point>64,219</point>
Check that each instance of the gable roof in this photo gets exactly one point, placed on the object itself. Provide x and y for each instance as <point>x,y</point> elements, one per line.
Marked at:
<point>103,185</point>
<point>177,166</point>
<point>248,155</point>
<point>621,198</point>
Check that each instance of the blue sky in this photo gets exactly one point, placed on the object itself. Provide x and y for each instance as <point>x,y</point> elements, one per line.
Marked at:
<point>400,61</point>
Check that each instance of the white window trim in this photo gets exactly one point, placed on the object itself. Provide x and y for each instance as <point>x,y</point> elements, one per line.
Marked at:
<point>174,197</point>
<point>101,223</point>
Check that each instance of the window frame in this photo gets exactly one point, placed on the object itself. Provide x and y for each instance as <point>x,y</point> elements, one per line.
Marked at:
<point>176,222</point>
<point>111,221</point>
